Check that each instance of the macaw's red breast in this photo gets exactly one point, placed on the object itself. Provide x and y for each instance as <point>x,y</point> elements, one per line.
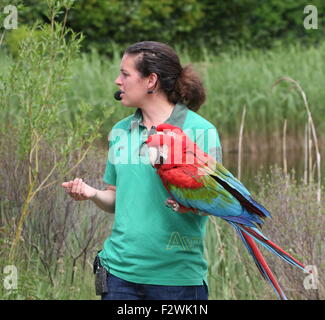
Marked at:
<point>185,176</point>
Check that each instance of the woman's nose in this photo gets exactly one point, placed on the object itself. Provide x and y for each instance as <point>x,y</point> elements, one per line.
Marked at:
<point>118,81</point>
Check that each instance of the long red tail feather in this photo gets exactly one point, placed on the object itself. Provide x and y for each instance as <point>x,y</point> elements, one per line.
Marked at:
<point>264,265</point>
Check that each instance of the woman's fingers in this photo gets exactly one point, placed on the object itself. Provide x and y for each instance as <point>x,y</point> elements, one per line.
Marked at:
<point>83,195</point>
<point>67,185</point>
<point>75,188</point>
<point>78,189</point>
<point>83,186</point>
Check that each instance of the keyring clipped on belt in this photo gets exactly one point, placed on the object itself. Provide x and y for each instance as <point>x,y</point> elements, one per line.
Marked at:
<point>96,264</point>
<point>101,277</point>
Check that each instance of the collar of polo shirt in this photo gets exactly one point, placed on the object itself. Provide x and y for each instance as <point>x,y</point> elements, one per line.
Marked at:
<point>176,118</point>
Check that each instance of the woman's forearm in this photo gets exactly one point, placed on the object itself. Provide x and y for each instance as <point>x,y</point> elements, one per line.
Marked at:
<point>105,200</point>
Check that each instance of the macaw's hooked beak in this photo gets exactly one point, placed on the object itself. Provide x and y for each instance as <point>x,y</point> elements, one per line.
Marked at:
<point>158,152</point>
<point>153,150</point>
<point>153,155</point>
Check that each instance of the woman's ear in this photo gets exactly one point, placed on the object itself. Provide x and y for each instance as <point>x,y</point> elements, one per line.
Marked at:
<point>152,82</point>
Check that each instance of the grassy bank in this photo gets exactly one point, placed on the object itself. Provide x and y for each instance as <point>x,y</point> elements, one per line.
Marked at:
<point>52,102</point>
<point>296,226</point>
<point>61,238</point>
<point>232,81</point>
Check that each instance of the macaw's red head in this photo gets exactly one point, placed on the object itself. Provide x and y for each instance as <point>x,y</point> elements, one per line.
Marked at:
<point>168,146</point>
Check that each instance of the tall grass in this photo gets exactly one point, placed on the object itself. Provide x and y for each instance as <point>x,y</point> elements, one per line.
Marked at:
<point>235,79</point>
<point>60,238</point>
<point>296,226</point>
<point>232,81</point>
<point>55,261</point>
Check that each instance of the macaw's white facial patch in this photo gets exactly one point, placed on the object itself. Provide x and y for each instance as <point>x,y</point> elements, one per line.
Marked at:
<point>163,151</point>
<point>153,155</point>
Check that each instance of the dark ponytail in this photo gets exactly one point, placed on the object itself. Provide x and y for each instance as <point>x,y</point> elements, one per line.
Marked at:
<point>189,89</point>
<point>181,85</point>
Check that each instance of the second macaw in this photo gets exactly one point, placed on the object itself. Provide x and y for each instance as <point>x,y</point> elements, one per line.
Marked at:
<point>197,182</point>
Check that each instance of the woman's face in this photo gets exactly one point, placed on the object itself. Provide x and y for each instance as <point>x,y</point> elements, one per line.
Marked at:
<point>130,82</point>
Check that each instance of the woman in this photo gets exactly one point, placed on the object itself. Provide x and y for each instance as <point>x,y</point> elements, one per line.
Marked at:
<point>153,251</point>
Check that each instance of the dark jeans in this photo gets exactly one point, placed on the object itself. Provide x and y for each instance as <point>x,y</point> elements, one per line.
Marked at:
<point>119,289</point>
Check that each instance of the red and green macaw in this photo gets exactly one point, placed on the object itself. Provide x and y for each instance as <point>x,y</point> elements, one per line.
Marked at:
<point>197,182</point>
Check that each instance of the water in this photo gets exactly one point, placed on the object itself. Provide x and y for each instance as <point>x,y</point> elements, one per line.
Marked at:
<point>253,163</point>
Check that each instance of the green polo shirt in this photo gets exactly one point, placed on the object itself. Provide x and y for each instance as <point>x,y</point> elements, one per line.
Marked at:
<point>150,243</point>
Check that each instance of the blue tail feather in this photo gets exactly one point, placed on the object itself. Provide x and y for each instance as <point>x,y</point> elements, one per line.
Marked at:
<point>270,248</point>
<point>280,295</point>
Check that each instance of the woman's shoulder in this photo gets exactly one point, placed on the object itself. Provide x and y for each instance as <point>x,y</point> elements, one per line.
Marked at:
<point>123,123</point>
<point>194,120</point>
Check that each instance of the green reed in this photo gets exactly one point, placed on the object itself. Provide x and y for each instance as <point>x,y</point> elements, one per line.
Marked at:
<point>232,80</point>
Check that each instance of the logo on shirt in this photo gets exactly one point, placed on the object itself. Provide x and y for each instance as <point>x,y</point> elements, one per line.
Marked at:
<point>177,240</point>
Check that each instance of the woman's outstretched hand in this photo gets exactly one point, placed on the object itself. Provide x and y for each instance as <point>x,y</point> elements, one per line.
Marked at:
<point>79,190</point>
